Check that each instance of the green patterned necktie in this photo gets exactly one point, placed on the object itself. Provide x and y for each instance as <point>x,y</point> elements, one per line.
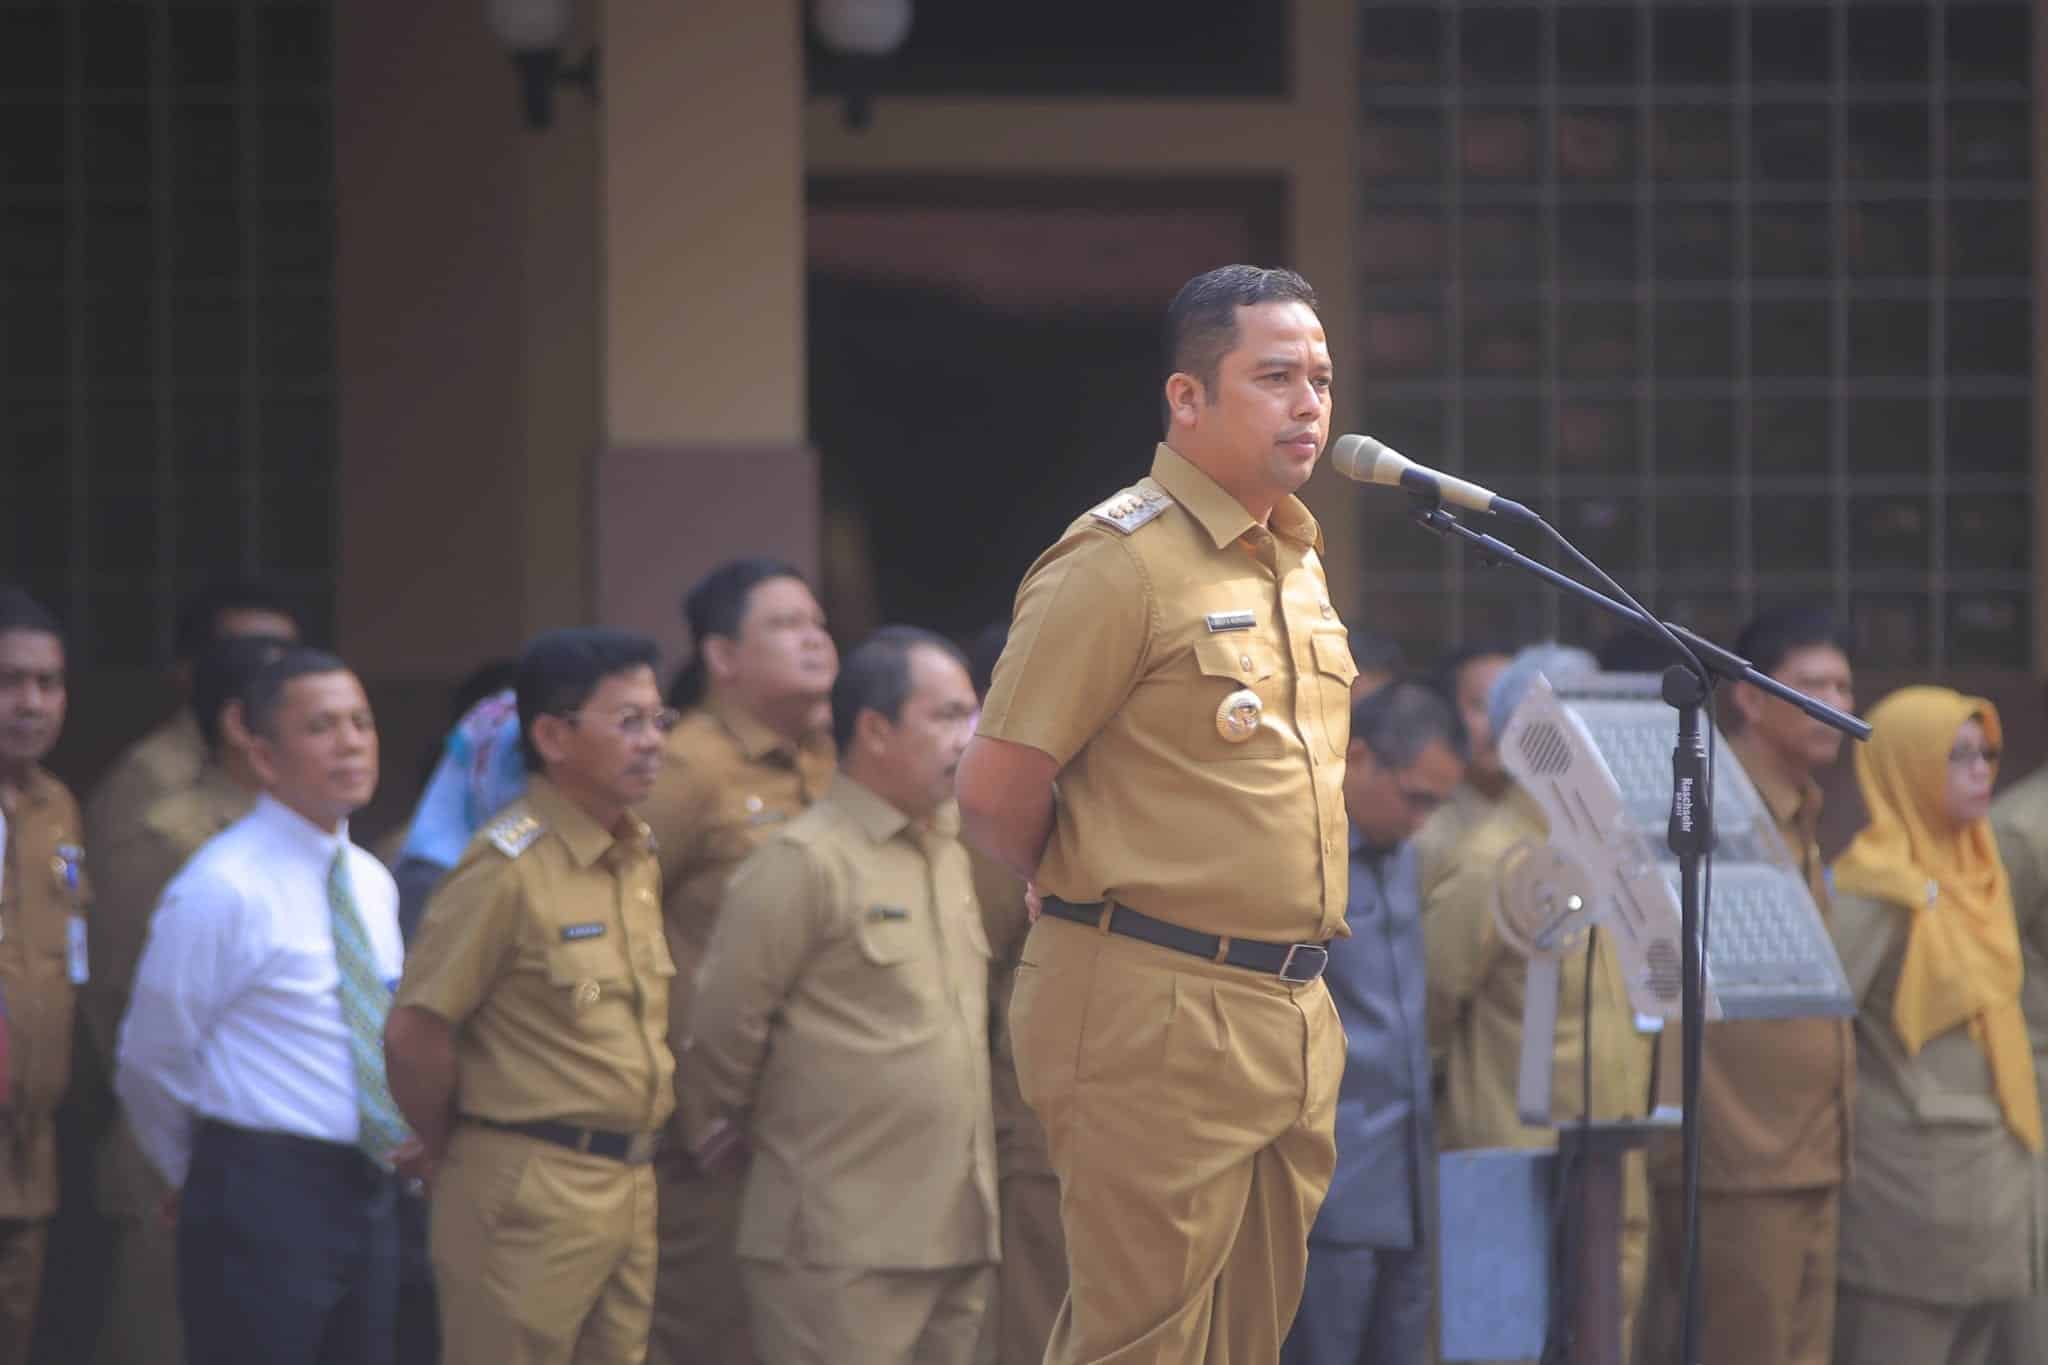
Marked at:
<point>365,1001</point>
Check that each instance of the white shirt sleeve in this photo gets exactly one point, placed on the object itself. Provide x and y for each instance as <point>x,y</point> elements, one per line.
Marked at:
<point>195,961</point>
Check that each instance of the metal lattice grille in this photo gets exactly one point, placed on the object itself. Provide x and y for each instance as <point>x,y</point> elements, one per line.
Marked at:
<point>166,317</point>
<point>1740,294</point>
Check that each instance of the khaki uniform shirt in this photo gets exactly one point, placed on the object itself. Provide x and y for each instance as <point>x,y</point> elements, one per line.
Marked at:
<point>43,887</point>
<point>2019,817</point>
<point>727,782</point>
<point>1476,985</point>
<point>842,1018</point>
<point>543,949</point>
<point>1442,837</point>
<point>1941,1205</point>
<point>1157,621</point>
<point>1776,1095</point>
<point>1005,919</point>
<point>167,759</point>
<point>131,870</point>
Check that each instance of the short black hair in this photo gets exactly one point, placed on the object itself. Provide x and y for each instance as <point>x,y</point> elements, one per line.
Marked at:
<point>1769,639</point>
<point>559,669</point>
<point>264,694</point>
<point>198,613</point>
<point>20,611</point>
<point>1634,651</point>
<point>717,605</point>
<point>223,673</point>
<point>876,677</point>
<point>1377,652</point>
<point>1201,322</point>
<point>1444,677</point>
<point>1398,721</point>
<point>984,649</point>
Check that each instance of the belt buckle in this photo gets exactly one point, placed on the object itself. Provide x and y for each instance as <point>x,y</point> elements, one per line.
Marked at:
<point>1314,967</point>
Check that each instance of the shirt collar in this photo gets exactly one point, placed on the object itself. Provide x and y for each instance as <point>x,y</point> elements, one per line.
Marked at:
<point>295,832</point>
<point>586,839</point>
<point>1789,804</point>
<point>1223,517</point>
<point>755,739</point>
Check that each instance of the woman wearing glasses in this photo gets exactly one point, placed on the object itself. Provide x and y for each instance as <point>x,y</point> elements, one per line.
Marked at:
<point>1939,1224</point>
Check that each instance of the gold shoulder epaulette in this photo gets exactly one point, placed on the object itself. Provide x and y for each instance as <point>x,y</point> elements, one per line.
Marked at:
<point>1132,508</point>
<point>514,832</point>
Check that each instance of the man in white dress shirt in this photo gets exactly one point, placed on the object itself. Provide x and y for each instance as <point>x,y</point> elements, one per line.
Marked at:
<point>250,1059</point>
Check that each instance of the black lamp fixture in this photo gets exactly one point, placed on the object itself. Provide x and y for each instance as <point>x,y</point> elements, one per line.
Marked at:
<point>533,32</point>
<point>862,34</point>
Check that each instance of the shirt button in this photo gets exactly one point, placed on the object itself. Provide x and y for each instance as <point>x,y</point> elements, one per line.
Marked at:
<point>1245,662</point>
<point>1326,609</point>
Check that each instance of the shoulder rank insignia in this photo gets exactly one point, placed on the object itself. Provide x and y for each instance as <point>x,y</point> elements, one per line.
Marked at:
<point>514,833</point>
<point>1132,508</point>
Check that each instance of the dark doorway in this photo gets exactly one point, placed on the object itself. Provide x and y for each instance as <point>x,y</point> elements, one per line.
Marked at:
<point>985,365</point>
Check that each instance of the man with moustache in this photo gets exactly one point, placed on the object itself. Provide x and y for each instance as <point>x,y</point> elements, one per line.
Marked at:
<point>43,899</point>
<point>754,749</point>
<point>249,1062</point>
<point>1176,666</point>
<point>140,1325</point>
<point>529,1047</point>
<point>841,1031</point>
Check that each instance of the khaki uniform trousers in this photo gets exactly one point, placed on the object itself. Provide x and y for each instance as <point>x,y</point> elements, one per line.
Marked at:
<point>141,1326</point>
<point>851,1315</point>
<point>1876,1329</point>
<point>1188,1111</point>
<point>1032,1279</point>
<point>542,1256</point>
<point>700,1301</point>
<point>1767,1277</point>
<point>22,1242</point>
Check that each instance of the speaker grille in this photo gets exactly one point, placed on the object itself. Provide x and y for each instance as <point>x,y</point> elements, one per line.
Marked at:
<point>1546,750</point>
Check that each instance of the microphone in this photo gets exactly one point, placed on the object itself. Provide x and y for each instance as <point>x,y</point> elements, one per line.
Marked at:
<point>1369,461</point>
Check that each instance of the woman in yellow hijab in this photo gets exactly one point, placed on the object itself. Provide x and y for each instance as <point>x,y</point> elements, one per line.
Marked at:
<point>1938,1216</point>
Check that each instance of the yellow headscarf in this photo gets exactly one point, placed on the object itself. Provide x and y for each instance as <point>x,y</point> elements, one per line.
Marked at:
<point>1962,963</point>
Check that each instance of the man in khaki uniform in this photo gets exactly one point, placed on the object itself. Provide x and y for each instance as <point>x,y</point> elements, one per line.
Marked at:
<point>140,1324</point>
<point>1775,1094</point>
<point>2019,819</point>
<point>528,1046</point>
<point>43,900</point>
<point>1175,662</point>
<point>751,753</point>
<point>840,1031</point>
<point>1477,985</point>
<point>1466,677</point>
<point>170,757</point>
<point>1032,1278</point>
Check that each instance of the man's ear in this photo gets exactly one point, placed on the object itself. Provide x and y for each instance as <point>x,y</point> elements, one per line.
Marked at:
<point>234,727</point>
<point>718,651</point>
<point>551,737</point>
<point>1748,701</point>
<point>262,753</point>
<point>1184,398</point>
<point>872,730</point>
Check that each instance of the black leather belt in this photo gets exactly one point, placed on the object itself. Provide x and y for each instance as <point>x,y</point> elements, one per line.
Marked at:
<point>1295,962</point>
<point>635,1149</point>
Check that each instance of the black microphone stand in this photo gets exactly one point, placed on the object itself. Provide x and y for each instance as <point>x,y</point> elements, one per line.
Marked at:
<point>1687,688</point>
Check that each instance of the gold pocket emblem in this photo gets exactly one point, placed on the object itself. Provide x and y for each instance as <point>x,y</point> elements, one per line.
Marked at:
<point>587,993</point>
<point>1237,720</point>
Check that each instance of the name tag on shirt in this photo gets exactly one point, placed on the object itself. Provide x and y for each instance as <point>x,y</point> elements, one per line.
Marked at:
<point>75,956</point>
<point>1220,621</point>
<point>571,933</point>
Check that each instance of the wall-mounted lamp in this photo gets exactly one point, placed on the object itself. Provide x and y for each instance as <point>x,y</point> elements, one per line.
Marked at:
<point>533,31</point>
<point>862,33</point>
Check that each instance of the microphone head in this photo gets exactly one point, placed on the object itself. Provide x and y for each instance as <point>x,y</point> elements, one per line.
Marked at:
<point>1367,460</point>
<point>1354,456</point>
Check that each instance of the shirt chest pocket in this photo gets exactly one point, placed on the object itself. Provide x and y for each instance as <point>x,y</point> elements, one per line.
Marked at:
<point>1335,672</point>
<point>589,976</point>
<point>1236,704</point>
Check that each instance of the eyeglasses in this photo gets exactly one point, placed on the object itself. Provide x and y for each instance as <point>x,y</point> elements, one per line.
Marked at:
<point>1963,755</point>
<point>633,722</point>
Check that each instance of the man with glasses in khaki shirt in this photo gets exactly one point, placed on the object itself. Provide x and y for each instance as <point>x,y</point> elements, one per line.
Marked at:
<point>528,1046</point>
<point>1175,663</point>
<point>840,1030</point>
